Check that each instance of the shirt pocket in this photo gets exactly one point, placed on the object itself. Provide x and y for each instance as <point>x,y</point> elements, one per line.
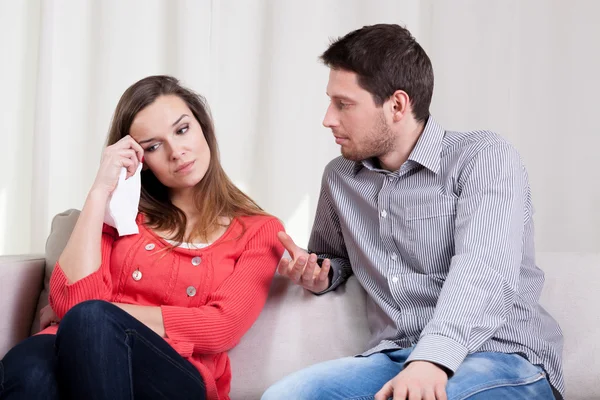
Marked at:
<point>429,233</point>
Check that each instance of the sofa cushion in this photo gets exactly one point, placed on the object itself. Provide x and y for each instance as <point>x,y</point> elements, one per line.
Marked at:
<point>572,282</point>
<point>297,329</point>
<point>60,231</point>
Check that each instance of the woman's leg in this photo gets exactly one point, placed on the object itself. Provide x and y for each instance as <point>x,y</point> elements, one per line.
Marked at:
<point>28,371</point>
<point>105,353</point>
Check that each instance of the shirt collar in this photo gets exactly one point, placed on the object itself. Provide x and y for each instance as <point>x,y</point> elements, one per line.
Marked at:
<point>427,151</point>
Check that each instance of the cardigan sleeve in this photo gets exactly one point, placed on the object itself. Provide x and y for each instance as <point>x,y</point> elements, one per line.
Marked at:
<point>231,310</point>
<point>96,286</point>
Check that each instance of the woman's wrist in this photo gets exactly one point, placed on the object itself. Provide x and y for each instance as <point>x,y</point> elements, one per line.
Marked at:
<point>98,194</point>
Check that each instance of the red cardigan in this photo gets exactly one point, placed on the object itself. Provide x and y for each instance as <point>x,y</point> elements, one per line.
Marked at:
<point>209,297</point>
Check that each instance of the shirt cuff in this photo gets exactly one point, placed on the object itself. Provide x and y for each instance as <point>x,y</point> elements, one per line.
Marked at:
<point>64,295</point>
<point>335,274</point>
<point>439,350</point>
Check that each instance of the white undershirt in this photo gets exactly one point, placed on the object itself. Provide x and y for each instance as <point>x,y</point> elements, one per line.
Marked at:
<point>189,246</point>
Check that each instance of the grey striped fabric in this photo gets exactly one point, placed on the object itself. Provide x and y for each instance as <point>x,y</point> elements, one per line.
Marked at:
<point>444,247</point>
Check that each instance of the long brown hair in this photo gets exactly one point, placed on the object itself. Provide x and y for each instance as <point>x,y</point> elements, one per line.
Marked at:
<point>215,195</point>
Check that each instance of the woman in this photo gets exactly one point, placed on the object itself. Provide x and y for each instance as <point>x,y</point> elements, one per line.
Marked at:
<point>153,315</point>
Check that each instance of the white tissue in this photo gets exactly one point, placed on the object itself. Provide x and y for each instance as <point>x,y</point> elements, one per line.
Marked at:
<point>122,208</point>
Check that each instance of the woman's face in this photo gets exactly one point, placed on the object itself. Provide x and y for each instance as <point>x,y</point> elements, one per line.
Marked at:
<point>175,149</point>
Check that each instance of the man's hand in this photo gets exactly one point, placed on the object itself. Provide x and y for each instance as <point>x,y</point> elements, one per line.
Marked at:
<point>420,380</point>
<point>303,268</point>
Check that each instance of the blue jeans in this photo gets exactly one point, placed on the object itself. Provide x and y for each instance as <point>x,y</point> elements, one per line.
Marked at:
<point>482,376</point>
<point>99,352</point>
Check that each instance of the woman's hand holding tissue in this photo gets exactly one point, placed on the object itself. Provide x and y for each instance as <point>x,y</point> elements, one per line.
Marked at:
<point>82,255</point>
<point>125,153</point>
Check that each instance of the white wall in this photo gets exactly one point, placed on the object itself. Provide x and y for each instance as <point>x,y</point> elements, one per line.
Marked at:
<point>524,68</point>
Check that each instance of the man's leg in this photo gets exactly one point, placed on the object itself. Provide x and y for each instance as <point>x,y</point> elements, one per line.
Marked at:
<point>491,376</point>
<point>355,378</point>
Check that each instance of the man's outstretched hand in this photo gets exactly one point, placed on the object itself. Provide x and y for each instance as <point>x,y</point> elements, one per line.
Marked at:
<point>303,268</point>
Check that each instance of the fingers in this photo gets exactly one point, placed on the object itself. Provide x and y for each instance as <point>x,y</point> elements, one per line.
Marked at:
<point>290,269</point>
<point>429,394</point>
<point>289,244</point>
<point>401,393</point>
<point>129,161</point>
<point>324,273</point>
<point>127,142</point>
<point>413,394</point>
<point>440,393</point>
<point>297,268</point>
<point>47,317</point>
<point>138,150</point>
<point>308,276</point>
<point>44,322</point>
<point>385,393</point>
<point>283,267</point>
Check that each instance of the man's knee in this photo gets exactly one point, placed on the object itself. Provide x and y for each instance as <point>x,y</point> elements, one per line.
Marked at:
<point>289,390</point>
<point>301,385</point>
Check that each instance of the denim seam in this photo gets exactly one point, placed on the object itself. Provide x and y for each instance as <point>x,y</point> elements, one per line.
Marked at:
<point>129,364</point>
<point>132,332</point>
<point>499,383</point>
<point>157,350</point>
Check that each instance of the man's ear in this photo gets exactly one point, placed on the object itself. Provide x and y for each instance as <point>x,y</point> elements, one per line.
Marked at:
<point>400,103</point>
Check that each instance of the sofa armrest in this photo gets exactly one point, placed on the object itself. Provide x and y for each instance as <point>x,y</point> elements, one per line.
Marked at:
<point>21,281</point>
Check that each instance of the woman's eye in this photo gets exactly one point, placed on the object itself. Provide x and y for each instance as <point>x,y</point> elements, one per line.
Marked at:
<point>152,148</point>
<point>182,130</point>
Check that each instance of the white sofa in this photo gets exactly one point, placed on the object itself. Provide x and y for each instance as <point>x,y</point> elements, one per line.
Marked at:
<point>297,329</point>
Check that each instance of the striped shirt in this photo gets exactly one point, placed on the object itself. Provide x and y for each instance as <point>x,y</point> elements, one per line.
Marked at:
<point>444,248</point>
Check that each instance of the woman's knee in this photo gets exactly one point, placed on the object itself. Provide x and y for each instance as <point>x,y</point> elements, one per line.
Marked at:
<point>82,323</point>
<point>85,314</point>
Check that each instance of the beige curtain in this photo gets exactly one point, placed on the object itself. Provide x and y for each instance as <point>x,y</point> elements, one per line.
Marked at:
<point>527,69</point>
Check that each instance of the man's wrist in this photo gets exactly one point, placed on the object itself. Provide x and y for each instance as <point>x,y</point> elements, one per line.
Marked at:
<point>439,366</point>
<point>440,350</point>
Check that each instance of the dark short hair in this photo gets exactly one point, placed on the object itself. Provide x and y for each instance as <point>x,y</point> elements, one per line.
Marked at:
<point>386,58</point>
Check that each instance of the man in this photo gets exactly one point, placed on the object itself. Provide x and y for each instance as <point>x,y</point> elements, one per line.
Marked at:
<point>437,227</point>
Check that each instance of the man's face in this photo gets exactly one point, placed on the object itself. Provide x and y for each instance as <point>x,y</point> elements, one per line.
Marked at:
<point>358,124</point>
